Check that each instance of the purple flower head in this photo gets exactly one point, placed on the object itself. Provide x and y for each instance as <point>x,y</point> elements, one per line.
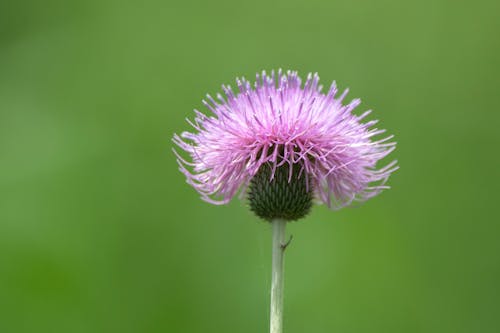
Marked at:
<point>278,122</point>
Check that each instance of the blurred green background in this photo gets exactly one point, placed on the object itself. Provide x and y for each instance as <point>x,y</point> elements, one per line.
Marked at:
<point>100,233</point>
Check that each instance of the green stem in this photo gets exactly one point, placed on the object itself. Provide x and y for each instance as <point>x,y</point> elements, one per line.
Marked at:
<point>277,279</point>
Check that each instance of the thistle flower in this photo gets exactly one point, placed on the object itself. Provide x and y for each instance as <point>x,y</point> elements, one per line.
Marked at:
<point>280,123</point>
<point>288,143</point>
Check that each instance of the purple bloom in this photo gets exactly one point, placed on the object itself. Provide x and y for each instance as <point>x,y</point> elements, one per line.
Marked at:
<point>280,122</point>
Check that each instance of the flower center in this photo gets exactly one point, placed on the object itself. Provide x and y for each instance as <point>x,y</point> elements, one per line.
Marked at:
<point>283,197</point>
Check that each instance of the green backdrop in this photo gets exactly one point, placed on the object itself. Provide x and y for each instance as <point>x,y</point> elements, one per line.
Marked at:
<point>100,233</point>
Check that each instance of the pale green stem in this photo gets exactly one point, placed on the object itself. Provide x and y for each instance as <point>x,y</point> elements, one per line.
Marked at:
<point>277,279</point>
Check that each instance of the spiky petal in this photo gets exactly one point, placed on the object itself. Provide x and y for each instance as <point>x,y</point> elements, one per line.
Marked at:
<point>277,121</point>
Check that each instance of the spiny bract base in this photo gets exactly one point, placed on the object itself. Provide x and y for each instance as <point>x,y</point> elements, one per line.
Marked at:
<point>278,198</point>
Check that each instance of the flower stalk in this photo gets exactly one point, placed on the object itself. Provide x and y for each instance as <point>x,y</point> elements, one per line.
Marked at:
<point>277,279</point>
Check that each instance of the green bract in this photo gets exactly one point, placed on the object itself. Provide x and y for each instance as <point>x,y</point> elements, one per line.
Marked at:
<point>281,197</point>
